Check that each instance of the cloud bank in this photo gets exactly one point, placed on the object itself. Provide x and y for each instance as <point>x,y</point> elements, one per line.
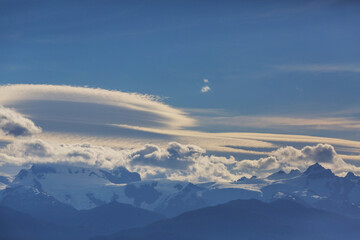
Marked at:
<point>168,158</point>
<point>116,119</point>
<point>176,161</point>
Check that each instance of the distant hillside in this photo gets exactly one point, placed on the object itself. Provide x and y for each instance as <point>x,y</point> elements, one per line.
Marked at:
<point>249,219</point>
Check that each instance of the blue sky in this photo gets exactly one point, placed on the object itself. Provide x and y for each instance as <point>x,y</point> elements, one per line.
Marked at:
<point>245,48</point>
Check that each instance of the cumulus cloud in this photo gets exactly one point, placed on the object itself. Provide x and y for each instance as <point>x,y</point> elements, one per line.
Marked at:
<point>14,124</point>
<point>176,161</point>
<point>288,158</point>
<point>176,155</point>
<point>208,168</point>
<point>206,87</point>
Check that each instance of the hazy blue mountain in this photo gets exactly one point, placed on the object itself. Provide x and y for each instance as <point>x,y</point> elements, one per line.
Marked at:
<point>4,180</point>
<point>106,219</point>
<point>50,194</point>
<point>38,204</point>
<point>112,217</point>
<point>249,219</point>
<point>16,225</point>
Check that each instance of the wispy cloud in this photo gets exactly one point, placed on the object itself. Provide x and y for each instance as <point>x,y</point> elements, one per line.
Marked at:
<point>319,68</point>
<point>275,122</point>
<point>240,142</point>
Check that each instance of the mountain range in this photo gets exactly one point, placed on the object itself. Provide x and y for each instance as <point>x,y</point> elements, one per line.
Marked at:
<point>85,202</point>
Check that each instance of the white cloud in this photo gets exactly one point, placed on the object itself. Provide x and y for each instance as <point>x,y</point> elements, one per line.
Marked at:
<point>205,89</point>
<point>97,106</point>
<point>29,151</point>
<point>175,155</point>
<point>176,161</point>
<point>112,118</point>
<point>14,124</point>
<point>288,158</point>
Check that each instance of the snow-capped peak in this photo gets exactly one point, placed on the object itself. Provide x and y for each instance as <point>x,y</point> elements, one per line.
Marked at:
<point>49,171</point>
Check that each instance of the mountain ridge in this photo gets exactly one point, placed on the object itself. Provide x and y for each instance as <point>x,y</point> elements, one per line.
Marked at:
<point>282,219</point>
<point>86,188</point>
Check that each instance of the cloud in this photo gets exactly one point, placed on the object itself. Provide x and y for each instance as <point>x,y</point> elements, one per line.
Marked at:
<point>205,89</point>
<point>185,163</point>
<point>176,161</point>
<point>93,106</point>
<point>175,155</point>
<point>75,115</point>
<point>14,124</point>
<point>252,143</point>
<point>288,158</point>
<point>279,122</point>
<point>319,68</point>
<point>29,151</point>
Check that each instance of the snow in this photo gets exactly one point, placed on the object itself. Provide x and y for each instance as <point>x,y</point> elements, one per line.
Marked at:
<point>86,187</point>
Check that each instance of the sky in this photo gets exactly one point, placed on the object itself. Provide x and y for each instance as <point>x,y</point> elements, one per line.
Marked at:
<point>237,79</point>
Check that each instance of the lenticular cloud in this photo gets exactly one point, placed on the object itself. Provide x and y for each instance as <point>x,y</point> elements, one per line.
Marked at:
<point>97,106</point>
